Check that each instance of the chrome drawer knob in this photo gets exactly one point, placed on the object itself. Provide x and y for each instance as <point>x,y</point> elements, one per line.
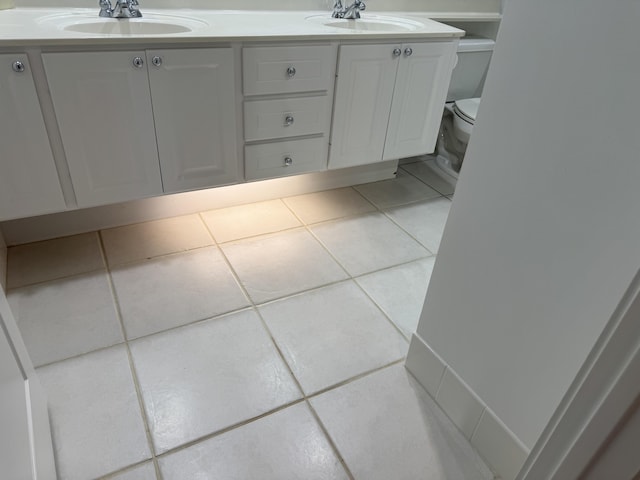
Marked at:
<point>157,61</point>
<point>408,51</point>
<point>397,52</point>
<point>288,120</point>
<point>288,161</point>
<point>291,71</point>
<point>18,66</point>
<point>138,62</point>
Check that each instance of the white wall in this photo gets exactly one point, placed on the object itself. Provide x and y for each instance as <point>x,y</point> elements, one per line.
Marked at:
<point>544,232</point>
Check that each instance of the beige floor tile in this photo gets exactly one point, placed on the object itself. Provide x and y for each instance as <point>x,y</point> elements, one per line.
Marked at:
<point>273,266</point>
<point>208,376</point>
<point>329,205</point>
<point>170,291</point>
<point>424,220</point>
<point>66,317</point>
<point>51,259</point>
<point>332,334</point>
<point>397,191</point>
<point>234,223</point>
<point>424,172</point>
<point>152,239</point>
<point>367,243</point>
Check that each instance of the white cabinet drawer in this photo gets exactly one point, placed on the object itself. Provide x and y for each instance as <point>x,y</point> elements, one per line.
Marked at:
<point>285,117</point>
<point>285,158</point>
<point>270,70</point>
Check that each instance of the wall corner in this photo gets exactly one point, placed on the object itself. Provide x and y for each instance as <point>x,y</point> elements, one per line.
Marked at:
<point>493,440</point>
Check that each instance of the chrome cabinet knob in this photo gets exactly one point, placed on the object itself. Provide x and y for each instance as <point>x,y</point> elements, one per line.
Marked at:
<point>408,51</point>
<point>138,62</point>
<point>288,161</point>
<point>397,52</point>
<point>288,120</point>
<point>291,71</point>
<point>156,60</point>
<point>18,66</point>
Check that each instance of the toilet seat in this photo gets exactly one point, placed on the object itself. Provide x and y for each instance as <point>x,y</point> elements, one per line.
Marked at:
<point>464,116</point>
<point>467,109</point>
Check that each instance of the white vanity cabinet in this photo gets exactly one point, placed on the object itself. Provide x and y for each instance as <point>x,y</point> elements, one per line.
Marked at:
<point>141,123</point>
<point>29,183</point>
<point>389,100</point>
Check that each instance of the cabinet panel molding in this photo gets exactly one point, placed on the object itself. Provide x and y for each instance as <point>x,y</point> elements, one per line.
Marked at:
<point>419,97</point>
<point>193,96</point>
<point>103,107</point>
<point>29,183</point>
<point>364,90</point>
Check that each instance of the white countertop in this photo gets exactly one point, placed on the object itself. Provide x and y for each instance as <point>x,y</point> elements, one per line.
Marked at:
<point>46,26</point>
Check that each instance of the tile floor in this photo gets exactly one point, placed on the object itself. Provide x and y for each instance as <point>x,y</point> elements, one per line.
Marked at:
<point>263,341</point>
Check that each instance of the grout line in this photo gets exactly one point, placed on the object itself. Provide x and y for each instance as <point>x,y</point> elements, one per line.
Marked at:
<point>354,378</point>
<point>384,313</point>
<point>206,227</point>
<point>332,444</point>
<point>116,473</point>
<point>386,214</point>
<point>134,373</point>
<point>73,357</point>
<point>229,428</point>
<point>475,428</point>
<point>424,181</point>
<point>440,382</point>
<point>54,279</point>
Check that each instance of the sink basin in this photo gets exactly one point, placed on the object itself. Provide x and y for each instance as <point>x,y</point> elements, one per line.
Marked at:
<point>127,27</point>
<point>371,23</point>
<point>152,24</point>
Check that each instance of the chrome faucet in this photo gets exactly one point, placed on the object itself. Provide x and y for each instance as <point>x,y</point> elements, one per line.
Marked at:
<point>123,9</point>
<point>351,12</point>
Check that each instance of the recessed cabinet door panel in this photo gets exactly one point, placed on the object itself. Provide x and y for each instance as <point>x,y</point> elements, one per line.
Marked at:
<point>193,95</point>
<point>29,182</point>
<point>364,90</point>
<point>420,92</point>
<point>103,106</point>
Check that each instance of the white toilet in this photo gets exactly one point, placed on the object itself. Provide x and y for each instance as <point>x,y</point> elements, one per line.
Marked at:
<point>463,100</point>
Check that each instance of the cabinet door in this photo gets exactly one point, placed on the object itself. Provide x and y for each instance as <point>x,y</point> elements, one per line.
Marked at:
<point>103,106</point>
<point>421,87</point>
<point>193,94</point>
<point>364,90</point>
<point>29,182</point>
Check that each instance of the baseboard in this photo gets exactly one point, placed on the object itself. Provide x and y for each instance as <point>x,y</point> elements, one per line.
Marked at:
<point>496,444</point>
<point>26,230</point>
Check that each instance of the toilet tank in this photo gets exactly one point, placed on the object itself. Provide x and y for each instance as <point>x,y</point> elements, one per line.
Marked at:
<point>467,79</point>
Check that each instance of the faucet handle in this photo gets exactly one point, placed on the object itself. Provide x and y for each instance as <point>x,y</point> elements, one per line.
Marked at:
<point>133,7</point>
<point>105,8</point>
